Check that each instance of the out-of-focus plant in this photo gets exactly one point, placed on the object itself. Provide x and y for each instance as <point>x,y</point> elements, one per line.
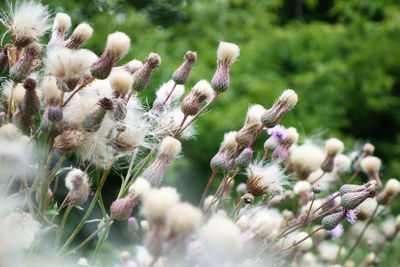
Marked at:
<point>69,116</point>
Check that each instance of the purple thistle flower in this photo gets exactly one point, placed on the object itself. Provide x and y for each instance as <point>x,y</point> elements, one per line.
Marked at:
<point>351,216</point>
<point>278,131</point>
<point>337,231</point>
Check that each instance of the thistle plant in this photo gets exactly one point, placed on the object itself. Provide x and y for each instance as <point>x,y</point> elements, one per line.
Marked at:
<point>70,117</point>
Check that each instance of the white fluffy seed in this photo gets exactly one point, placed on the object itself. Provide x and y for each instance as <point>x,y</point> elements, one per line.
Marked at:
<point>118,43</point>
<point>227,52</point>
<point>170,146</point>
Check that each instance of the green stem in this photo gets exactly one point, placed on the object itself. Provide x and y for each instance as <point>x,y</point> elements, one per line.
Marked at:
<point>107,223</point>
<point>370,219</point>
<point>89,210</point>
<point>62,224</point>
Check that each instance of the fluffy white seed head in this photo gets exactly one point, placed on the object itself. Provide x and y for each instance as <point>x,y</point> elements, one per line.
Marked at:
<point>306,159</point>
<point>83,262</point>
<point>208,201</point>
<point>309,258</point>
<point>158,201</point>
<point>27,21</point>
<point>170,146</point>
<point>139,188</point>
<point>289,97</point>
<point>253,117</point>
<point>367,207</point>
<point>19,230</point>
<point>62,23</point>
<point>333,146</point>
<point>50,89</point>
<point>71,177</point>
<point>133,65</point>
<point>145,225</point>
<point>165,89</point>
<point>243,222</point>
<point>306,244</point>
<point>265,223</point>
<point>369,259</point>
<point>328,251</point>
<point>268,178</point>
<point>229,143</point>
<point>66,63</point>
<point>292,135</point>
<point>342,163</point>
<point>302,187</point>
<point>121,81</point>
<point>118,43</point>
<point>392,186</point>
<point>183,219</point>
<point>369,148</point>
<point>227,53</point>
<point>18,94</point>
<point>82,32</point>
<point>220,237</point>
<point>203,88</point>
<point>371,164</point>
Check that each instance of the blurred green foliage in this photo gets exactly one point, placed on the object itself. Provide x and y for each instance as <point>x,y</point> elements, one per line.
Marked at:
<point>341,57</point>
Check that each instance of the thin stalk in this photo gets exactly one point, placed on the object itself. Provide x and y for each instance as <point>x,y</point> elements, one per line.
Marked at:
<point>62,224</point>
<point>207,187</point>
<point>107,223</point>
<point>8,187</point>
<point>257,135</point>
<point>76,91</point>
<point>319,178</point>
<point>198,113</point>
<point>237,207</point>
<point>145,161</point>
<point>309,210</point>
<point>101,242</point>
<point>352,177</point>
<point>298,242</point>
<point>342,242</point>
<point>327,202</point>
<point>169,95</point>
<point>370,219</point>
<point>265,156</point>
<point>10,102</point>
<point>89,210</point>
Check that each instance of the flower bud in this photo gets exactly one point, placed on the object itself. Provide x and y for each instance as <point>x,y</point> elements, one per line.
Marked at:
<point>200,93</point>
<point>23,67</point>
<point>54,113</point>
<point>248,198</point>
<point>349,188</point>
<point>142,76</point>
<point>93,121</point>
<point>220,162</point>
<point>169,148</point>
<point>316,188</point>
<point>350,201</point>
<point>118,44</point>
<point>371,166</point>
<point>331,221</point>
<point>244,158</point>
<point>283,104</point>
<point>122,208</point>
<point>244,136</point>
<point>227,54</point>
<point>30,102</point>
<point>181,75</point>
<point>333,146</point>
<point>81,33</point>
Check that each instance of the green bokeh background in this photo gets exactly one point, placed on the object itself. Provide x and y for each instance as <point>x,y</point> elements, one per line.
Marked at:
<point>342,57</point>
